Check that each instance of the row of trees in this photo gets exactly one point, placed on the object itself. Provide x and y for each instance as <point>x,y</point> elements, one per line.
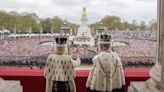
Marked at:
<point>22,22</point>
<point>115,22</point>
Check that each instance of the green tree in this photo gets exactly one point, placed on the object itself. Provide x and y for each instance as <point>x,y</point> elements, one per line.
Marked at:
<point>57,23</point>
<point>152,25</point>
<point>110,22</point>
<point>7,21</point>
<point>21,22</point>
<point>143,26</point>
<point>46,25</point>
<point>25,22</point>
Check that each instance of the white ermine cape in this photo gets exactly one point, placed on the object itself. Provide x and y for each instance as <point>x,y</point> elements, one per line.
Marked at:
<point>60,68</point>
<point>107,73</point>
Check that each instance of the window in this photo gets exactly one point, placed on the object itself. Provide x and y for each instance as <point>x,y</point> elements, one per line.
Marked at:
<point>26,39</point>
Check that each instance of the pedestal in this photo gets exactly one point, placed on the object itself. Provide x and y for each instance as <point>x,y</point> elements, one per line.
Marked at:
<point>138,86</point>
<point>10,86</point>
<point>151,85</point>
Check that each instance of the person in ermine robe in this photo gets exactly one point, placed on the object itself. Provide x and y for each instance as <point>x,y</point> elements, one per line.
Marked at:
<point>107,72</point>
<point>59,69</point>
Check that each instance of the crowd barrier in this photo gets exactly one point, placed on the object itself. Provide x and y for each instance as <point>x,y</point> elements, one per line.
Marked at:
<point>40,61</point>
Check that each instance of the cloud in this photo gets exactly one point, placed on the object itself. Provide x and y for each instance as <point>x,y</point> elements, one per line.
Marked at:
<point>97,9</point>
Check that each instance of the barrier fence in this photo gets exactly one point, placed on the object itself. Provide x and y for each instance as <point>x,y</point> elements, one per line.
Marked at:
<point>40,61</point>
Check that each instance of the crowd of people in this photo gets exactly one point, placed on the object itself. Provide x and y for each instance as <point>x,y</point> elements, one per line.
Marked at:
<point>140,35</point>
<point>85,39</point>
<point>140,49</point>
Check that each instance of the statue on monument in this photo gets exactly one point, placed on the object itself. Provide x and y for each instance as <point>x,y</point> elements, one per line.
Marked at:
<point>84,14</point>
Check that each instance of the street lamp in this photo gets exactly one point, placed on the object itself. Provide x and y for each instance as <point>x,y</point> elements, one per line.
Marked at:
<point>30,30</point>
<point>101,28</point>
<point>65,29</point>
<point>41,31</point>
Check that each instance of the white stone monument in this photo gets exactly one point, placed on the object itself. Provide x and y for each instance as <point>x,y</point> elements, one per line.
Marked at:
<point>84,35</point>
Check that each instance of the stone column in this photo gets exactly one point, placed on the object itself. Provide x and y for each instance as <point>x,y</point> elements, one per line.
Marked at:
<point>161,28</point>
<point>154,84</point>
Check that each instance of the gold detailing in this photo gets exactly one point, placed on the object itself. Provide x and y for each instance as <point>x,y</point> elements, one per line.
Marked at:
<point>84,14</point>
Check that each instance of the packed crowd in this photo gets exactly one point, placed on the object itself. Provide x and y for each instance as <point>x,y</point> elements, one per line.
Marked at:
<point>140,49</point>
<point>139,35</point>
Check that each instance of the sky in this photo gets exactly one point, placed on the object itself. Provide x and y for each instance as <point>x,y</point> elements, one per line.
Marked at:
<point>71,10</point>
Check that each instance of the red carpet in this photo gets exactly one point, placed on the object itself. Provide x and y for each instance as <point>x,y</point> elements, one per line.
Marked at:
<point>33,80</point>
